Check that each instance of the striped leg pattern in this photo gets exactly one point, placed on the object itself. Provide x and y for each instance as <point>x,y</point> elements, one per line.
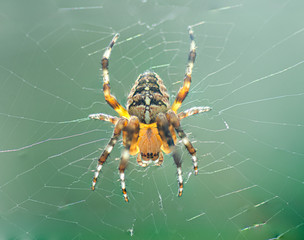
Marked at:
<point>130,136</point>
<point>122,166</point>
<point>166,136</point>
<point>117,131</point>
<point>192,111</point>
<point>111,100</point>
<point>104,117</point>
<point>174,120</point>
<point>183,91</point>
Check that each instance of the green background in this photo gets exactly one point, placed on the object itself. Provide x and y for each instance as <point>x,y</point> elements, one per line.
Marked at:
<point>249,69</point>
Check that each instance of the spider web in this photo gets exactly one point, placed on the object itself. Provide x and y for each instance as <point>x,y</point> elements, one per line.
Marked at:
<point>250,146</point>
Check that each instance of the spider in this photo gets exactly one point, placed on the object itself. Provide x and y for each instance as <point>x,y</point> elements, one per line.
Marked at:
<point>148,124</point>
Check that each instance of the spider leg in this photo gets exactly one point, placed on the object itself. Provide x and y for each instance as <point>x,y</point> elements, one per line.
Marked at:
<point>174,120</point>
<point>111,100</point>
<point>165,134</point>
<point>192,111</point>
<point>106,152</point>
<point>104,117</point>
<point>130,135</point>
<point>122,166</point>
<point>183,91</point>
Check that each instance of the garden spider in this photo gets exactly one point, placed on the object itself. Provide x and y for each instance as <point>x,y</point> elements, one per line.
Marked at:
<point>148,124</point>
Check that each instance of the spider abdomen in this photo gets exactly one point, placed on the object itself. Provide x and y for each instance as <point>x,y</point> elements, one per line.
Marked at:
<point>148,97</point>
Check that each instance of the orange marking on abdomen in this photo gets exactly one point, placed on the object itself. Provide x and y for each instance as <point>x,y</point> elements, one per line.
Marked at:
<point>149,143</point>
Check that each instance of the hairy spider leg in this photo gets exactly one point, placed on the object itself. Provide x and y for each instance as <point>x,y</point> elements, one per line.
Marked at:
<point>183,91</point>
<point>122,122</point>
<point>111,100</point>
<point>174,121</point>
<point>192,111</point>
<point>130,136</point>
<point>104,117</point>
<point>165,134</point>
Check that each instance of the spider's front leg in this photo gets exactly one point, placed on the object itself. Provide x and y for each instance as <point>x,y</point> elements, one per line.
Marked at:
<point>183,91</point>
<point>166,136</point>
<point>121,123</point>
<point>111,100</point>
<point>130,137</point>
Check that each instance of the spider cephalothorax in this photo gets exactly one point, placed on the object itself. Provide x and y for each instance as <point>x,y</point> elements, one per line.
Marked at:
<point>148,124</point>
